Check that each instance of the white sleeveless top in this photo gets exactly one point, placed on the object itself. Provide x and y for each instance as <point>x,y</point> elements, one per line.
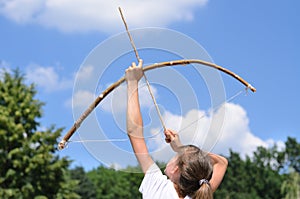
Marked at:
<point>155,185</point>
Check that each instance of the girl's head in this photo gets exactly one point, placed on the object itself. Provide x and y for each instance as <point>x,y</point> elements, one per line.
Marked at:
<point>191,170</point>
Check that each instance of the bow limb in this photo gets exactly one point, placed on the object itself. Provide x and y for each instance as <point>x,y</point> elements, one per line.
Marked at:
<point>197,61</point>
<point>78,122</point>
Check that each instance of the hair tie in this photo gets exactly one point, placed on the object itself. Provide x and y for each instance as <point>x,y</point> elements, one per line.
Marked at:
<point>202,181</point>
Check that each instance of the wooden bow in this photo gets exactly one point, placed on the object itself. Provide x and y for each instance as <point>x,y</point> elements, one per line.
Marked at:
<point>183,62</point>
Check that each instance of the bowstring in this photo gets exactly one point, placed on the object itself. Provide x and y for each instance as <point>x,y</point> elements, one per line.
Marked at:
<point>156,135</point>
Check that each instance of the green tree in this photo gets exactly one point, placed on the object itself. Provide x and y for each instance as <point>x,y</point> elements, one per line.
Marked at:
<point>85,188</point>
<point>239,179</point>
<point>269,173</point>
<point>292,152</point>
<point>253,178</point>
<point>268,162</point>
<point>291,186</point>
<point>29,166</point>
<point>68,187</point>
<point>112,184</point>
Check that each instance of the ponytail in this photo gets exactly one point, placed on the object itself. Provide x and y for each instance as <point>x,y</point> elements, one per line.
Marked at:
<point>204,192</point>
<point>195,172</point>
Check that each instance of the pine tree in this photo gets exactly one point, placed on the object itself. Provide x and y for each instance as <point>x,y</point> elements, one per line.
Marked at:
<point>29,167</point>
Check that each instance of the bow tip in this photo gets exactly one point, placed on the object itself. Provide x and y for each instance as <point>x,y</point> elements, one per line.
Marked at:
<point>61,145</point>
<point>251,88</point>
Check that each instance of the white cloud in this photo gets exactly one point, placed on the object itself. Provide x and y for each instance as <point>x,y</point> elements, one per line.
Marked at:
<point>47,78</point>
<point>83,94</point>
<point>115,103</point>
<point>81,99</point>
<point>21,11</point>
<point>85,73</point>
<point>280,144</point>
<point>99,15</point>
<point>236,132</point>
<point>229,131</point>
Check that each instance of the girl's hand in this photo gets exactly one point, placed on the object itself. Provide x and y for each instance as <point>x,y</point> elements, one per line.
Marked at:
<point>172,137</point>
<point>133,72</point>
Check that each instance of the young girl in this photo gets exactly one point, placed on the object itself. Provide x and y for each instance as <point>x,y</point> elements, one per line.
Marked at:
<point>192,173</point>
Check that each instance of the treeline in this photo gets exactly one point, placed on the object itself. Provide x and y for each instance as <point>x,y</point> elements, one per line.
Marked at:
<point>31,169</point>
<point>270,173</point>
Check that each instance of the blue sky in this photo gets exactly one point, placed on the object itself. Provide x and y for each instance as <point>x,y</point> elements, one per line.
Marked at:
<point>52,42</point>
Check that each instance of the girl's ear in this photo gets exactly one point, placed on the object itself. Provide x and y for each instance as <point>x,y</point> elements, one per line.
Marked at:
<point>175,170</point>
<point>175,174</point>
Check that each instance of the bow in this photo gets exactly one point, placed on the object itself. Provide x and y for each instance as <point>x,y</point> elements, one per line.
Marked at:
<point>77,124</point>
<point>107,91</point>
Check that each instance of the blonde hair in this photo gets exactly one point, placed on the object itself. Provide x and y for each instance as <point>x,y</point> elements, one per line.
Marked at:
<point>194,165</point>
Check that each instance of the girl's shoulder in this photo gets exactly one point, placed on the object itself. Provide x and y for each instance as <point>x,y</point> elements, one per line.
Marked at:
<point>157,185</point>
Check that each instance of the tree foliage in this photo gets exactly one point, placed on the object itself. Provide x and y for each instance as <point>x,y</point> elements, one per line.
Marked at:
<point>291,186</point>
<point>85,187</point>
<point>29,166</point>
<point>247,179</point>
<point>269,173</point>
<point>266,175</point>
<point>292,154</point>
<point>115,184</point>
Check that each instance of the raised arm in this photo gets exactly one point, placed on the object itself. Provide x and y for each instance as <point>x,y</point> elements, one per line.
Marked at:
<point>134,118</point>
<point>219,168</point>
